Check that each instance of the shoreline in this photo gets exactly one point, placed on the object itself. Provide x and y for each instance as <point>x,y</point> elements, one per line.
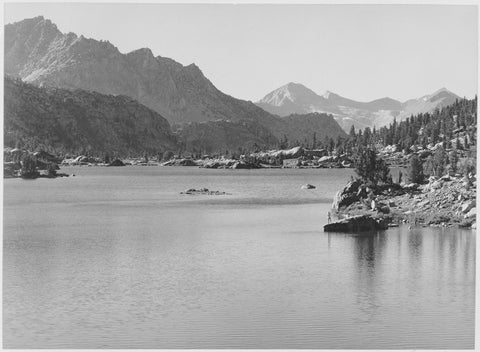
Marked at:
<point>447,201</point>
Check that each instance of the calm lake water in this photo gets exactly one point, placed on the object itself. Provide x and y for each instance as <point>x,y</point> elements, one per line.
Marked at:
<point>117,258</point>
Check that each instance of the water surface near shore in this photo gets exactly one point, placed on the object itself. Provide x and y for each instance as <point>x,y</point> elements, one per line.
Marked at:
<point>117,258</point>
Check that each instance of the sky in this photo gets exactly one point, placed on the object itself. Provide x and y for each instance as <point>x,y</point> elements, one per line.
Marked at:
<point>363,52</point>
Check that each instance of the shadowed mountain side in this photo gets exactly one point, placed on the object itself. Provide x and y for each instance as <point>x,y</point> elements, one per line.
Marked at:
<point>302,127</point>
<point>221,136</point>
<point>79,121</point>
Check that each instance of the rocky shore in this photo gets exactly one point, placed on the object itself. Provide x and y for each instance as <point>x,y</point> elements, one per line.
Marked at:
<point>445,201</point>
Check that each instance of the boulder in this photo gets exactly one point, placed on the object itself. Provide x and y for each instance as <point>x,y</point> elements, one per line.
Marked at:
<point>358,223</point>
<point>347,195</point>
<point>472,213</point>
<point>308,186</point>
<point>212,165</point>
<point>423,203</point>
<point>245,165</point>
<point>116,162</point>
<point>186,162</point>
<point>295,152</point>
<point>411,187</point>
<point>343,200</point>
<point>383,209</point>
<point>468,205</point>
<point>352,186</point>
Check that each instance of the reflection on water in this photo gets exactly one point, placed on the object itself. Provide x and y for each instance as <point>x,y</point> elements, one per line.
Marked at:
<point>126,262</point>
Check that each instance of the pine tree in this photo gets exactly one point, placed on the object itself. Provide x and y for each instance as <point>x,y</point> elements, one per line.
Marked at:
<point>352,132</point>
<point>415,170</point>
<point>370,168</point>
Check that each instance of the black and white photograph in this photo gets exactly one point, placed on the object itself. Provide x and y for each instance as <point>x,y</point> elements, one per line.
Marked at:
<point>232,175</point>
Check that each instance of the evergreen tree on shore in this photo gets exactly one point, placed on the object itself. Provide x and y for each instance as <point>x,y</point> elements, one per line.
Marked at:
<point>415,170</point>
<point>371,168</point>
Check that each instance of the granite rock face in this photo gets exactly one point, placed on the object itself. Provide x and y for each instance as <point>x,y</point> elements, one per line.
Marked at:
<point>347,196</point>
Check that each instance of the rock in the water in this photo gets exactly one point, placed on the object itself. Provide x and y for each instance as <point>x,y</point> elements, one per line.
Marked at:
<point>357,224</point>
<point>308,186</point>
<point>203,191</point>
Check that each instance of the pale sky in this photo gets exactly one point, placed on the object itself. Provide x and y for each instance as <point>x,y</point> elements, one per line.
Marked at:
<point>361,52</point>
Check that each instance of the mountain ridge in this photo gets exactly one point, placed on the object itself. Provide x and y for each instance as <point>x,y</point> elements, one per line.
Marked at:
<point>348,112</point>
<point>38,53</point>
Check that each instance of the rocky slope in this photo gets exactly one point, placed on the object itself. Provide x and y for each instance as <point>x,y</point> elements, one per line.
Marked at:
<point>445,201</point>
<point>37,52</point>
<point>79,121</point>
<point>296,98</point>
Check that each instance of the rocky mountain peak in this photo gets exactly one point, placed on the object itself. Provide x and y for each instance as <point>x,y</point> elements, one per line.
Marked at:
<point>38,25</point>
<point>287,94</point>
<point>442,93</point>
<point>327,94</point>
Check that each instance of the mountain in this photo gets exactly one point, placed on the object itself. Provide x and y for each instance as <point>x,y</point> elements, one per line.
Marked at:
<point>303,126</point>
<point>296,98</point>
<point>38,53</point>
<point>222,135</point>
<point>79,121</point>
<point>439,99</point>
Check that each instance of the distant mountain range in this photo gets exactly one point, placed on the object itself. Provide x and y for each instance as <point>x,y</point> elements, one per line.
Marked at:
<point>296,98</point>
<point>38,53</point>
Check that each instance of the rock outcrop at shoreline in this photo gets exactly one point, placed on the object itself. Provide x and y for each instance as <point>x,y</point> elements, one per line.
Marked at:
<point>358,223</point>
<point>445,201</point>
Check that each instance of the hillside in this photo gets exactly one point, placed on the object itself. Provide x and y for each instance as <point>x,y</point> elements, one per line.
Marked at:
<point>63,121</point>
<point>222,135</point>
<point>295,98</point>
<point>303,127</point>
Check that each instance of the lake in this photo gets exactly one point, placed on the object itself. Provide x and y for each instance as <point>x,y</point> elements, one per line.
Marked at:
<point>118,258</point>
